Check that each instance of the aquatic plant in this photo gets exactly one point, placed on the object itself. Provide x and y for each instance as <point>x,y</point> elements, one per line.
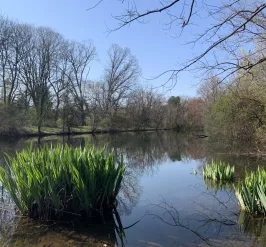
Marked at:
<point>54,182</point>
<point>218,171</point>
<point>251,193</point>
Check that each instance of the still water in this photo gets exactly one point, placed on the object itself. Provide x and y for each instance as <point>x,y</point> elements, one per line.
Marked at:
<point>164,200</point>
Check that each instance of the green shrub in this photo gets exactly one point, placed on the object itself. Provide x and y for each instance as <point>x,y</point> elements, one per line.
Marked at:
<point>218,171</point>
<point>50,183</point>
<point>12,120</point>
<point>251,193</point>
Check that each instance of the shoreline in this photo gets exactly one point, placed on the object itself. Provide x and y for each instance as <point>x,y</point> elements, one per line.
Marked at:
<point>74,132</point>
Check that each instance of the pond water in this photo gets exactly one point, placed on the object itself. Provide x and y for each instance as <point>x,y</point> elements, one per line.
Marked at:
<point>164,200</point>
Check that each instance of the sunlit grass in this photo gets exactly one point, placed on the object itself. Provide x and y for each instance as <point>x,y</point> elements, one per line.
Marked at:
<point>53,182</point>
<point>218,171</point>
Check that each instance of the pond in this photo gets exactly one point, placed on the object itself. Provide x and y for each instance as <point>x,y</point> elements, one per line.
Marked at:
<point>164,200</point>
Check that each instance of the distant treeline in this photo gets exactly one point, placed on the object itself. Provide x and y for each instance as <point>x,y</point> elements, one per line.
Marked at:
<point>45,82</point>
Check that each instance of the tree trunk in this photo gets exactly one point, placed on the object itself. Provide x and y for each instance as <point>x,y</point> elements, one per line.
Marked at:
<point>83,117</point>
<point>39,128</point>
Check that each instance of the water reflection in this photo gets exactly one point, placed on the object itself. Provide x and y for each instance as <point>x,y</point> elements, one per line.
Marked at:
<point>144,151</point>
<point>24,232</point>
<point>218,185</point>
<point>16,230</point>
<point>194,211</point>
<point>253,228</point>
<point>217,224</point>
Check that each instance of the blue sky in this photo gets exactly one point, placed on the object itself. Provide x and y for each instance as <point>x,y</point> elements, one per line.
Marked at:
<point>154,47</point>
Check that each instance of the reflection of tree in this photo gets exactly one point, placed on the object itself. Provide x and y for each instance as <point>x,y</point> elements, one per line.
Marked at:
<point>197,148</point>
<point>129,192</point>
<point>143,150</point>
<point>253,227</point>
<point>181,146</point>
<point>218,185</point>
<point>7,212</point>
<point>153,146</point>
<point>176,146</point>
<point>22,231</point>
<point>10,146</point>
<point>225,215</point>
<point>146,150</point>
<point>208,223</point>
<point>171,217</point>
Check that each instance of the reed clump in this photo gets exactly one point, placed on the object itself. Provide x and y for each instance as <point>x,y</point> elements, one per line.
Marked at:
<point>55,182</point>
<point>251,192</point>
<point>218,171</point>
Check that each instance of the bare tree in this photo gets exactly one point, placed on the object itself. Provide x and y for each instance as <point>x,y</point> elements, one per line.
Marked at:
<point>158,112</point>
<point>96,101</point>
<point>210,91</point>
<point>13,38</point>
<point>230,26</point>
<point>79,57</point>
<point>145,109</point>
<point>121,75</point>
<point>69,111</point>
<point>37,69</point>
<point>61,75</point>
<point>6,34</point>
<point>195,113</point>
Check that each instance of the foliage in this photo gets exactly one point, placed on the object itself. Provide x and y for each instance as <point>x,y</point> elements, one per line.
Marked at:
<point>236,112</point>
<point>12,120</point>
<point>234,118</point>
<point>54,182</point>
<point>251,193</point>
<point>218,171</point>
<point>174,100</point>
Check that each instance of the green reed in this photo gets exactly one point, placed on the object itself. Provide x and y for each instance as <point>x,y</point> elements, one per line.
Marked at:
<point>55,182</point>
<point>218,171</point>
<point>251,193</point>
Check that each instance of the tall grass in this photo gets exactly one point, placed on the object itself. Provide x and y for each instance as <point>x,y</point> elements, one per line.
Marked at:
<point>54,182</point>
<point>218,171</point>
<point>251,193</point>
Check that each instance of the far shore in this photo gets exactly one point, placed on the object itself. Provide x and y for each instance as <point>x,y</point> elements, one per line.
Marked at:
<point>32,132</point>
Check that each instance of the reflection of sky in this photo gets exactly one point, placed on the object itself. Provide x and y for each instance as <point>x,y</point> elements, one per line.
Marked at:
<point>175,183</point>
